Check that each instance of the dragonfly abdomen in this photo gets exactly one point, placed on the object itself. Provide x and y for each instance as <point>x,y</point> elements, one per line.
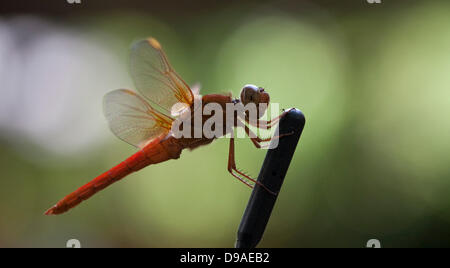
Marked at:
<point>158,150</point>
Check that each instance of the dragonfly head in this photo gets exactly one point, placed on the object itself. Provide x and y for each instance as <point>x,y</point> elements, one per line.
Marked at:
<point>256,95</point>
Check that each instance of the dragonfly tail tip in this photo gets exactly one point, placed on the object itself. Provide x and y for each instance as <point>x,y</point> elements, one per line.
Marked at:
<point>50,211</point>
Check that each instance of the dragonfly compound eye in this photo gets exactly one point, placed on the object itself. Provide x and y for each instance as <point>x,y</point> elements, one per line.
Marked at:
<point>250,94</point>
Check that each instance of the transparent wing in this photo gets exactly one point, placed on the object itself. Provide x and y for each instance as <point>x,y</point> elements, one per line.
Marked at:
<point>155,78</point>
<point>132,119</point>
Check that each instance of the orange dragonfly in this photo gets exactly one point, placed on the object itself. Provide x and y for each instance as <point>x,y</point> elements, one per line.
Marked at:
<point>133,119</point>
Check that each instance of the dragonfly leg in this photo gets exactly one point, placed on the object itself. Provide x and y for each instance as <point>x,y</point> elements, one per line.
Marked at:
<point>257,140</point>
<point>239,174</point>
<point>266,124</point>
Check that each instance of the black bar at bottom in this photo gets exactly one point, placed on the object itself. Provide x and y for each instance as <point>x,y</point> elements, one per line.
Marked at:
<point>272,174</point>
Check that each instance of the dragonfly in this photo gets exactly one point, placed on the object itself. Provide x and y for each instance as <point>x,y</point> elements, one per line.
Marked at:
<point>146,121</point>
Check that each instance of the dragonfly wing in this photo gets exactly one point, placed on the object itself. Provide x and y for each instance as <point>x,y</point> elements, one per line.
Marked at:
<point>132,119</point>
<point>155,78</point>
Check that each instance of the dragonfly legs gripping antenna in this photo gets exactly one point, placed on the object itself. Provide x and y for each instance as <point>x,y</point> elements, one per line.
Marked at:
<point>267,124</point>
<point>239,174</point>
<point>256,140</point>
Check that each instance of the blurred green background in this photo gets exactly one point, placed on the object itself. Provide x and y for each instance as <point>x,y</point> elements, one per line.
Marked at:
<point>372,79</point>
